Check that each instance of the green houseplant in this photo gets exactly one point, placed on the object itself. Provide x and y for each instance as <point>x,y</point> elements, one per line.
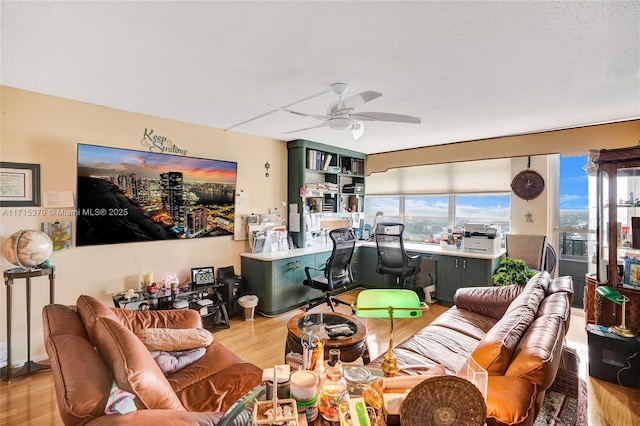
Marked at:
<point>512,271</point>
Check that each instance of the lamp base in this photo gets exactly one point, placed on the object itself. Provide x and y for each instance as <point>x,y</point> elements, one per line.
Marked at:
<point>621,330</point>
<point>389,366</point>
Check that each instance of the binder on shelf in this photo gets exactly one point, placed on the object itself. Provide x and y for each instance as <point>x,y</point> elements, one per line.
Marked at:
<point>327,161</point>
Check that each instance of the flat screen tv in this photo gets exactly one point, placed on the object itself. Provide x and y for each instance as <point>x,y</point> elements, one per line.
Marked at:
<point>131,196</point>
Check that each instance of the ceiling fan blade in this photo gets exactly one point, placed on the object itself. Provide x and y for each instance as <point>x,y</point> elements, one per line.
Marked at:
<point>290,111</point>
<point>385,116</point>
<point>355,101</point>
<point>306,128</point>
<point>357,130</point>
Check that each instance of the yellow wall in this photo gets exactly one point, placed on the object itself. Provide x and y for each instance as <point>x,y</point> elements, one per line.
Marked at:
<point>37,128</point>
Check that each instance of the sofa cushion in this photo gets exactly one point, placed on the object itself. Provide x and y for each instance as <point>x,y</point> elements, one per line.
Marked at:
<point>510,401</point>
<point>174,339</point>
<point>429,347</point>
<point>73,359</point>
<point>534,292</point>
<point>466,322</point>
<point>492,302</point>
<point>556,304</point>
<point>494,352</point>
<point>176,318</point>
<point>538,354</point>
<point>220,390</point>
<point>132,366</point>
<point>217,357</point>
<point>90,309</point>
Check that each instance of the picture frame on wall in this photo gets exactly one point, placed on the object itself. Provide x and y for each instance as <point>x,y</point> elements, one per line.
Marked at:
<point>19,184</point>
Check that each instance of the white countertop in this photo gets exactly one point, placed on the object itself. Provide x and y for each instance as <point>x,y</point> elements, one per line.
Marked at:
<point>436,249</point>
<point>410,247</point>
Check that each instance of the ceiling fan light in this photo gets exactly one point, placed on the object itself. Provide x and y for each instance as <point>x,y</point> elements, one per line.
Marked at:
<point>340,123</point>
<point>357,130</point>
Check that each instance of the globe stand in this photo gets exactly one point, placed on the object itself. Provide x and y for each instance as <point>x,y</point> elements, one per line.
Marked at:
<point>9,277</point>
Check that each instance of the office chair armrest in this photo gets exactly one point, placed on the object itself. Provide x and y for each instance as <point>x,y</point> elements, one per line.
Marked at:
<point>306,272</point>
<point>413,260</point>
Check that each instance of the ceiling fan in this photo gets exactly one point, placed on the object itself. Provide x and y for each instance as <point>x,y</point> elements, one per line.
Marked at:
<point>341,116</point>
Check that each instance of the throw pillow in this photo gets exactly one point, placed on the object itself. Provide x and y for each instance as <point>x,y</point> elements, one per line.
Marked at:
<point>170,339</point>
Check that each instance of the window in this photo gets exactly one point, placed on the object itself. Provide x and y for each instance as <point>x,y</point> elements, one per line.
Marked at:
<point>429,215</point>
<point>573,207</point>
<point>494,209</point>
<point>425,216</point>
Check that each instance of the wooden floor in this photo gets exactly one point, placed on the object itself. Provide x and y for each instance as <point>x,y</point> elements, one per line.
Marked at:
<point>31,400</point>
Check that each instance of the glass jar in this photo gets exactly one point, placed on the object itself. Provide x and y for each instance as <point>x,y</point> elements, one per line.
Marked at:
<point>332,389</point>
<point>372,403</point>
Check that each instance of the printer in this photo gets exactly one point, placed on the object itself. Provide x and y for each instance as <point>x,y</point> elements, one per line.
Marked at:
<point>482,238</point>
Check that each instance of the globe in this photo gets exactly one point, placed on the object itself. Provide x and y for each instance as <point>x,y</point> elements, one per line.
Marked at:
<point>27,248</point>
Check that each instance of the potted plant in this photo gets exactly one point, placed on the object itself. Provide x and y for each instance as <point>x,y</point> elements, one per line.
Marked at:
<point>512,271</point>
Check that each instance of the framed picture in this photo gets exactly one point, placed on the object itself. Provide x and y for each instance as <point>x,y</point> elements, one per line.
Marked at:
<point>632,272</point>
<point>19,184</point>
<point>127,196</point>
<point>202,276</point>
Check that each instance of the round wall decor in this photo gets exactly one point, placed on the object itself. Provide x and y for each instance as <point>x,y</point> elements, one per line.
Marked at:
<point>527,184</point>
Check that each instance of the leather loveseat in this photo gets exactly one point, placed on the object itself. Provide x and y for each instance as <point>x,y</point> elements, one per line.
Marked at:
<point>514,332</point>
<point>91,346</point>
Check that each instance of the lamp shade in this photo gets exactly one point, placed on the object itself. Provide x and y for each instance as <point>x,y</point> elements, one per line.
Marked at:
<point>610,293</point>
<point>375,303</point>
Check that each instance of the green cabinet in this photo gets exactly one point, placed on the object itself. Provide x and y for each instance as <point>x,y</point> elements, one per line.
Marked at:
<point>279,283</point>
<point>331,178</point>
<point>454,272</point>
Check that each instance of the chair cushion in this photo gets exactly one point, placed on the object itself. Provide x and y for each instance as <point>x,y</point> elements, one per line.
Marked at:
<point>133,367</point>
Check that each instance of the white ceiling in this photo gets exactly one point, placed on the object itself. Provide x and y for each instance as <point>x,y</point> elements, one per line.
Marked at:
<point>470,70</point>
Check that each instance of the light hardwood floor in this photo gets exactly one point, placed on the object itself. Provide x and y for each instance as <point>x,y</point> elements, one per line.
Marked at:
<point>31,400</point>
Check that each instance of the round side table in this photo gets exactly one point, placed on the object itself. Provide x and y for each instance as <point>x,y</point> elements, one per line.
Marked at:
<point>351,348</point>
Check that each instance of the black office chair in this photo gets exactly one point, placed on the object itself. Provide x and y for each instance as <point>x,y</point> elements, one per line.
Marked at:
<point>392,257</point>
<point>550,258</point>
<point>337,272</point>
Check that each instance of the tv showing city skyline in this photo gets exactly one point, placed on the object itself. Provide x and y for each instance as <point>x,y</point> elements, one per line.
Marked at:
<point>132,196</point>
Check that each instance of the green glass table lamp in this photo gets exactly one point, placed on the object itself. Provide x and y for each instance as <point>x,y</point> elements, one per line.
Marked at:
<point>619,299</point>
<point>380,303</point>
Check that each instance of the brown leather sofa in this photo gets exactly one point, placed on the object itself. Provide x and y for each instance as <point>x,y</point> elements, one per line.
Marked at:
<point>515,332</point>
<point>91,345</point>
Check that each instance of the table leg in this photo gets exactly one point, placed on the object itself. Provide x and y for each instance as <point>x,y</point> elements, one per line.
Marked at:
<point>28,323</point>
<point>9,284</point>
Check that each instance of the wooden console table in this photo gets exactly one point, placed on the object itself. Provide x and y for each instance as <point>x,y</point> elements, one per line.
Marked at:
<point>10,275</point>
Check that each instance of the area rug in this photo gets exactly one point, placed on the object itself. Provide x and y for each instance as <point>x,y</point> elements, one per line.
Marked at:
<point>560,409</point>
<point>565,402</point>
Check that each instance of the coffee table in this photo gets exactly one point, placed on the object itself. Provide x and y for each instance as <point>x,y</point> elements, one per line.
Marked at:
<point>351,348</point>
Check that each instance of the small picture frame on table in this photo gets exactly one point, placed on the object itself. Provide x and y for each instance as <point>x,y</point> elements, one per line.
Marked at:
<point>202,276</point>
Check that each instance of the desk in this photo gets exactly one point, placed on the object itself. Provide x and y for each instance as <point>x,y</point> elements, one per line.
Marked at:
<point>9,276</point>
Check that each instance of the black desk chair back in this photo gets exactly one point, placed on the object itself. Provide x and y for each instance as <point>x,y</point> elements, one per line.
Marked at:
<point>392,257</point>
<point>550,259</point>
<point>337,272</point>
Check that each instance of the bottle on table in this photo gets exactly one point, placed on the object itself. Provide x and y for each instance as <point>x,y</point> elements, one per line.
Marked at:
<point>332,388</point>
